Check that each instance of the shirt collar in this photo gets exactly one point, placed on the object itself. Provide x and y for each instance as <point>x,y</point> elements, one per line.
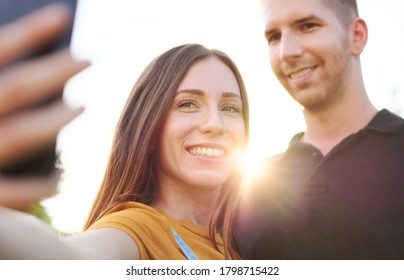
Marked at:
<point>386,122</point>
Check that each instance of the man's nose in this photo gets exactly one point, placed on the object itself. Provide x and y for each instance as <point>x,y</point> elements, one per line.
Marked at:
<point>290,47</point>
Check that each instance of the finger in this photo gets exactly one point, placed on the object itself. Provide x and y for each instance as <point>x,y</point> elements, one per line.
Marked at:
<point>33,129</point>
<point>32,31</point>
<point>29,82</point>
<point>19,193</point>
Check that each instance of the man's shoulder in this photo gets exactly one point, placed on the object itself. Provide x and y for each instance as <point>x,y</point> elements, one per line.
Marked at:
<point>268,174</point>
<point>387,122</point>
<point>276,157</point>
<point>274,160</point>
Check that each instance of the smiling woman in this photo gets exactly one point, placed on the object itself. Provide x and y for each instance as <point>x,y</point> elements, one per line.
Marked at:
<point>172,179</point>
<point>188,99</point>
<point>205,128</point>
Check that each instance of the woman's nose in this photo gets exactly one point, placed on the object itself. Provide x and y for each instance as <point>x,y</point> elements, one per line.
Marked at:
<point>212,122</point>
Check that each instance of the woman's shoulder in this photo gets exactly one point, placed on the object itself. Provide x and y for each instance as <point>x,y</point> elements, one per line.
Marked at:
<point>147,226</point>
<point>133,212</point>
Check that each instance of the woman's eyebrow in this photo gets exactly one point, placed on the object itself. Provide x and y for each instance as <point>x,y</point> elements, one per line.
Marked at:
<point>194,91</point>
<point>231,94</point>
<point>201,93</point>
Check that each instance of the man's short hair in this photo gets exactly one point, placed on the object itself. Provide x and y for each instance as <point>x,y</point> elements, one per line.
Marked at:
<point>346,10</point>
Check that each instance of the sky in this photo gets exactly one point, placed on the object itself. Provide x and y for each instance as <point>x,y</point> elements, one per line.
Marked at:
<point>121,37</point>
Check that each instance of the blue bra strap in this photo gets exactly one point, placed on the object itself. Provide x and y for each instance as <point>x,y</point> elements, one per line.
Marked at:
<point>188,253</point>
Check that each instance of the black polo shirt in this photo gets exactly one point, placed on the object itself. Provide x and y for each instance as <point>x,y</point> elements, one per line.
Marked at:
<point>346,205</point>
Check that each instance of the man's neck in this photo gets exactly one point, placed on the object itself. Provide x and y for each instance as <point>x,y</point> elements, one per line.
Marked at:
<point>326,128</point>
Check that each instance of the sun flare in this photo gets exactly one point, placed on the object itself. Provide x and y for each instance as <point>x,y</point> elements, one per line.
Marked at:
<point>252,167</point>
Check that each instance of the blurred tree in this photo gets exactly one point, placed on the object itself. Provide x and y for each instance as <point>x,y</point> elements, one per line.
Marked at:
<point>37,209</point>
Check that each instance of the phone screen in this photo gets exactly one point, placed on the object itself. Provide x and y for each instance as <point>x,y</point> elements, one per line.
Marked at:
<point>11,10</point>
<point>14,9</point>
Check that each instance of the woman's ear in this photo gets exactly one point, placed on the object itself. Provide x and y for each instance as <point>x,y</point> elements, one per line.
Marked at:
<point>359,31</point>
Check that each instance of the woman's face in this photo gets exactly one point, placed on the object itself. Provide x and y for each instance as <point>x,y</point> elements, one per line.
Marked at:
<point>204,128</point>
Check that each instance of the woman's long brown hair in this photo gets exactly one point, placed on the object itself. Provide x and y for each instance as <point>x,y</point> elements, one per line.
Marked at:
<point>130,173</point>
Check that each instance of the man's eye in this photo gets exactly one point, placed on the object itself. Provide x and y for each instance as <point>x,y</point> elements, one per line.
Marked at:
<point>271,38</point>
<point>308,26</point>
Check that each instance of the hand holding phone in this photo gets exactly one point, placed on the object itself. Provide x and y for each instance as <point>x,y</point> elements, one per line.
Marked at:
<point>30,87</point>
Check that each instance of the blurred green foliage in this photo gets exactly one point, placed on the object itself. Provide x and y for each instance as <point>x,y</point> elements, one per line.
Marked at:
<point>39,211</point>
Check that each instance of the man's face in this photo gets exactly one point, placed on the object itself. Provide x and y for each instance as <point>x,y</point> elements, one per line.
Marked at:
<point>309,50</point>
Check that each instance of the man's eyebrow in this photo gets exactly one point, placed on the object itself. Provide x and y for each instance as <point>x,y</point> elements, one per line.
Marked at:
<point>298,21</point>
<point>307,18</point>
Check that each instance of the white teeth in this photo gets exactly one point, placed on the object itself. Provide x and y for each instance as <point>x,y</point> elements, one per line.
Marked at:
<point>301,73</point>
<point>207,152</point>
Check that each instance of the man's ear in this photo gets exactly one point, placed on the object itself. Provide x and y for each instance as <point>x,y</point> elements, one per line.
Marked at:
<point>359,31</point>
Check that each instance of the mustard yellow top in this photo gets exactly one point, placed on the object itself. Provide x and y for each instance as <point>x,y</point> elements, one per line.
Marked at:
<point>150,228</point>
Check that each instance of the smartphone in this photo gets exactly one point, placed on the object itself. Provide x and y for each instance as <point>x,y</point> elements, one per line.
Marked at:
<point>42,161</point>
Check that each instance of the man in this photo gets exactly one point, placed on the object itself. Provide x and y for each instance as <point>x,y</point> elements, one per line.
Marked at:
<point>338,190</point>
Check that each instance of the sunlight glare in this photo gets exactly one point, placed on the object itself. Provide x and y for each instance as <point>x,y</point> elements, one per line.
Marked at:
<point>252,167</point>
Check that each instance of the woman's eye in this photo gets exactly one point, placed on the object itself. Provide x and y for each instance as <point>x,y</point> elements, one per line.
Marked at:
<point>188,104</point>
<point>230,107</point>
